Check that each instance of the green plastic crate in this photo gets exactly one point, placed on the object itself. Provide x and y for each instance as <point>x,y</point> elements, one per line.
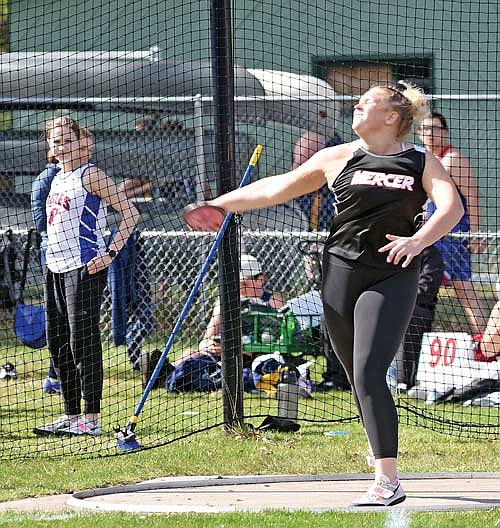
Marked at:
<point>284,337</point>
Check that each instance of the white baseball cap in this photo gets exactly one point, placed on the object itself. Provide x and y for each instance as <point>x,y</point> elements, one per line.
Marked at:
<point>250,266</point>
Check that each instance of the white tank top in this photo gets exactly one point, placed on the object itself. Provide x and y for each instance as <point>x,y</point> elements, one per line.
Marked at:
<point>76,220</point>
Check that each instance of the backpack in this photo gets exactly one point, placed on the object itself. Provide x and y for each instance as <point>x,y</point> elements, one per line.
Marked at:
<point>9,275</point>
<point>196,374</point>
<point>29,319</point>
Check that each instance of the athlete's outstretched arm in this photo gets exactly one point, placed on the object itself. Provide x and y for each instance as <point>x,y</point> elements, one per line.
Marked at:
<point>281,188</point>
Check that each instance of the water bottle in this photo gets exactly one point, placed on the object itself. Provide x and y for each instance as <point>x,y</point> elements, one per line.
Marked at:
<point>288,394</point>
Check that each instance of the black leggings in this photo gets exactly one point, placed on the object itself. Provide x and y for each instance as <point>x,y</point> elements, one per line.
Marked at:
<point>367,311</point>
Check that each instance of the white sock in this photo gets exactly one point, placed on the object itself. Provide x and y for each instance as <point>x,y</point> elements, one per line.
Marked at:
<point>386,480</point>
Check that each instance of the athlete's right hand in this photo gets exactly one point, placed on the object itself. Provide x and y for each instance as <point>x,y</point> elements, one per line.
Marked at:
<point>401,249</point>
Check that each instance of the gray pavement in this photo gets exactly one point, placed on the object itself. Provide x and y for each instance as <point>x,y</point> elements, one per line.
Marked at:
<point>425,492</point>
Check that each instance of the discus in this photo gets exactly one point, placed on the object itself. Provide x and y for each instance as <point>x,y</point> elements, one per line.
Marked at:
<point>201,216</point>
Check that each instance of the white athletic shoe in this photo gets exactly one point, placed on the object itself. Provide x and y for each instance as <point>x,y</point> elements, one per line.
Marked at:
<point>382,493</point>
<point>53,427</point>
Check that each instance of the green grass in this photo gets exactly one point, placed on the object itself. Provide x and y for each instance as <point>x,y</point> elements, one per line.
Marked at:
<point>212,452</point>
<point>217,453</point>
<point>270,519</point>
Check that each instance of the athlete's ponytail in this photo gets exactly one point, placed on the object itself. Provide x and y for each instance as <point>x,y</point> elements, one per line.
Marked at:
<point>410,102</point>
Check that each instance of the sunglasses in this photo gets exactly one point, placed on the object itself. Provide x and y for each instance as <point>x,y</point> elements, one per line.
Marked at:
<point>430,128</point>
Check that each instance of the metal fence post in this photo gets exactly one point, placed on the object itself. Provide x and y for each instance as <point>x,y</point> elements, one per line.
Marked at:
<point>223,91</point>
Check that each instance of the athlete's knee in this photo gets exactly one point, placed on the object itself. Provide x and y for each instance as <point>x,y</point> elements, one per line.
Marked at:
<point>368,380</point>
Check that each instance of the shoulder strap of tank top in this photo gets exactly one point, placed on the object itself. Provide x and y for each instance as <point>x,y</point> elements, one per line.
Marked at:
<point>84,166</point>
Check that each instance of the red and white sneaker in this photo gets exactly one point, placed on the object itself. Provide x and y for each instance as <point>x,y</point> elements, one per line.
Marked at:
<point>80,426</point>
<point>382,493</point>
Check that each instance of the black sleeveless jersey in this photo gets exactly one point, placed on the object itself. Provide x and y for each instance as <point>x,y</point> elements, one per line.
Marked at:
<point>376,195</point>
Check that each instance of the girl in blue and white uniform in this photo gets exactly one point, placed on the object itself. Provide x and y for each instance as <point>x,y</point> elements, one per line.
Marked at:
<point>77,259</point>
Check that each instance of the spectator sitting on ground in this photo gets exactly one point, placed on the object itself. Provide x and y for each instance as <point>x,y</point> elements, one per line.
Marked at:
<point>252,281</point>
<point>252,289</point>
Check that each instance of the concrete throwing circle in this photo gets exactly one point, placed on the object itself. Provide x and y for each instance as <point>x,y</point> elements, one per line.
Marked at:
<point>425,492</point>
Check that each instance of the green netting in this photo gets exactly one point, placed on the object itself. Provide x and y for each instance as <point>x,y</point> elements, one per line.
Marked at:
<point>170,126</point>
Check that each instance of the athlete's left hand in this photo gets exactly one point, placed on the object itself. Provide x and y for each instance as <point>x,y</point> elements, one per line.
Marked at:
<point>98,264</point>
<point>401,249</point>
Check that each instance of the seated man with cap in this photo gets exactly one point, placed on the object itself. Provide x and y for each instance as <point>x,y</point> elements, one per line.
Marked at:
<point>253,296</point>
<point>252,291</point>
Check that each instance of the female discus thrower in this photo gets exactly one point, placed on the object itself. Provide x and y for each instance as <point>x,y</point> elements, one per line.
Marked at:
<point>370,260</point>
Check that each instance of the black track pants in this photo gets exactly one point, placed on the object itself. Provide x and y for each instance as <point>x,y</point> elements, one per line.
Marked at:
<point>73,300</point>
<point>367,311</point>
